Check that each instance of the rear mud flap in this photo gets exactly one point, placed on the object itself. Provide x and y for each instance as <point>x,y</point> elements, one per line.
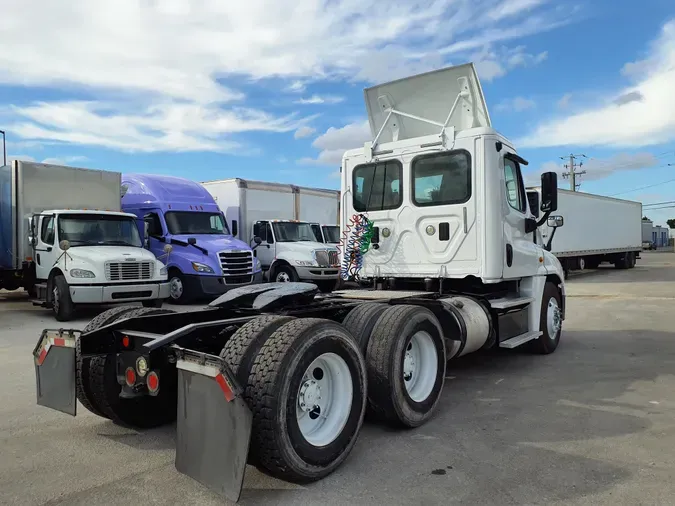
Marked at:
<point>54,358</point>
<point>213,427</point>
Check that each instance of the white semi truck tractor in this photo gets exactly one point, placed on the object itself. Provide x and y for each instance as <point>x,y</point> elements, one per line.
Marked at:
<point>439,234</point>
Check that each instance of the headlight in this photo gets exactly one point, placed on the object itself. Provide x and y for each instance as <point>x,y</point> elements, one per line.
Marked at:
<point>81,273</point>
<point>201,267</point>
<point>304,263</point>
<point>163,271</point>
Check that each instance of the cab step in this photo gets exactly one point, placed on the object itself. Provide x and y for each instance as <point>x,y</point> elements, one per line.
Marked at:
<point>41,295</point>
<point>521,339</point>
<point>509,302</point>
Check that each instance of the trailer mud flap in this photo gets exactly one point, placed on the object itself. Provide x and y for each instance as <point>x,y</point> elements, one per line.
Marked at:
<point>213,424</point>
<point>54,358</point>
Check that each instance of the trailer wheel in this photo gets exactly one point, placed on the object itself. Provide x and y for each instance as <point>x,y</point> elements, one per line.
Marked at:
<point>632,260</point>
<point>62,304</point>
<point>406,365</point>
<point>307,391</point>
<point>82,386</point>
<point>241,349</point>
<point>550,321</point>
<point>622,261</point>
<point>361,321</point>
<point>141,412</point>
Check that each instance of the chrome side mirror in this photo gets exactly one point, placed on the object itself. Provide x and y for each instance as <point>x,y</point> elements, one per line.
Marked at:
<point>555,221</point>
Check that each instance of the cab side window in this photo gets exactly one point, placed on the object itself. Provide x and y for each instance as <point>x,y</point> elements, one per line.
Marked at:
<point>515,191</point>
<point>47,230</point>
<point>154,225</point>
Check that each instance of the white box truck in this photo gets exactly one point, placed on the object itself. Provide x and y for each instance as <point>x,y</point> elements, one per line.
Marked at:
<point>282,216</point>
<point>65,241</point>
<point>597,229</point>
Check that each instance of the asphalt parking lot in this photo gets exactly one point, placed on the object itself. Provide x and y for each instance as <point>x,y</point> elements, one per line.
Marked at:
<point>593,423</point>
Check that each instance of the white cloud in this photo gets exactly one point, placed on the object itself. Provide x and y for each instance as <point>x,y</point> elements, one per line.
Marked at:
<point>303,131</point>
<point>21,158</point>
<point>151,62</point>
<point>162,127</point>
<point>49,160</point>
<point>491,63</point>
<point>516,104</point>
<point>640,115</point>
<point>335,141</point>
<point>321,99</point>
<point>66,160</point>
<point>296,87</point>
<point>564,101</point>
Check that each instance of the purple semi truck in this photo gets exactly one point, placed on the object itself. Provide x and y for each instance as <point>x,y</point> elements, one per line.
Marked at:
<point>205,260</point>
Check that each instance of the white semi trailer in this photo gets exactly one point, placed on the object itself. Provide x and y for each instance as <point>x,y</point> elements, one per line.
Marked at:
<point>597,229</point>
<point>438,226</point>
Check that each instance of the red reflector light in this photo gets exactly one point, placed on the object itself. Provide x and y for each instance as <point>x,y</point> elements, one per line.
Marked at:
<point>153,381</point>
<point>130,376</point>
<point>126,341</point>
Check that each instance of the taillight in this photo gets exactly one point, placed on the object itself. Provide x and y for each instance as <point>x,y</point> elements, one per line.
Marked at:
<point>153,382</point>
<point>126,341</point>
<point>130,376</point>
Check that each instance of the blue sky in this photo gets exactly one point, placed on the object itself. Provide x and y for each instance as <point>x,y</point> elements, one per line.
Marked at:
<point>273,91</point>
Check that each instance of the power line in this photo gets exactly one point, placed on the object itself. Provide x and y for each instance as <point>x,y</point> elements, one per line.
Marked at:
<point>657,208</point>
<point>645,187</point>
<point>572,172</point>
<point>659,203</point>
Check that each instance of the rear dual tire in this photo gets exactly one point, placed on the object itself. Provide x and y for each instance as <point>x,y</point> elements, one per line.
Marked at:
<point>405,354</point>
<point>103,391</point>
<point>305,383</point>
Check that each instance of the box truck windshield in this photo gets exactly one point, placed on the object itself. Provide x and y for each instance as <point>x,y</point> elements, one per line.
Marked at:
<point>293,232</point>
<point>97,230</point>
<point>331,233</point>
<point>189,222</point>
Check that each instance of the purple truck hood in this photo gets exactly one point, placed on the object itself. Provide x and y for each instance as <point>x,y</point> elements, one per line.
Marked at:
<point>215,243</point>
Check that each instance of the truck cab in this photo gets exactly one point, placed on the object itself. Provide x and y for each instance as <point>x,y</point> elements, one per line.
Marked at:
<point>206,260</point>
<point>93,257</point>
<point>327,234</point>
<point>289,251</point>
<point>444,200</point>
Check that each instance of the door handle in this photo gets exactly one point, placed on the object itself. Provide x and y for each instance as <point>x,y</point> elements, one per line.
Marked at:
<point>49,248</point>
<point>38,258</point>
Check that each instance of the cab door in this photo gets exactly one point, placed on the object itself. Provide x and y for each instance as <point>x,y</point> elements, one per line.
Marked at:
<point>521,253</point>
<point>266,251</point>
<point>46,251</point>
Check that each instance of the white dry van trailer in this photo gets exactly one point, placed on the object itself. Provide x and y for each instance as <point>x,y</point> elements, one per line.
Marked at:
<point>437,224</point>
<point>281,216</point>
<point>65,241</point>
<point>597,229</point>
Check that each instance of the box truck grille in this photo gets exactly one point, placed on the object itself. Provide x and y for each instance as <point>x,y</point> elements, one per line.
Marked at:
<point>236,263</point>
<point>326,258</point>
<point>129,271</point>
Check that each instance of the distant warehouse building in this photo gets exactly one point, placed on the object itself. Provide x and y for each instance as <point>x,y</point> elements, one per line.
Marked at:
<point>656,234</point>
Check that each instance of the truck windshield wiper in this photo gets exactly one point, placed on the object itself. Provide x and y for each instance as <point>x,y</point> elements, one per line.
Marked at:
<point>117,243</point>
<point>183,243</point>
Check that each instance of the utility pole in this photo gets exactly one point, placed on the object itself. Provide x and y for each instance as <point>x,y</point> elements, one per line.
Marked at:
<point>572,172</point>
<point>4,148</point>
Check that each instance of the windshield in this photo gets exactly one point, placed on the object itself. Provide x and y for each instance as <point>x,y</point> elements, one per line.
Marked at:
<point>332,233</point>
<point>98,230</point>
<point>293,232</point>
<point>188,222</point>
